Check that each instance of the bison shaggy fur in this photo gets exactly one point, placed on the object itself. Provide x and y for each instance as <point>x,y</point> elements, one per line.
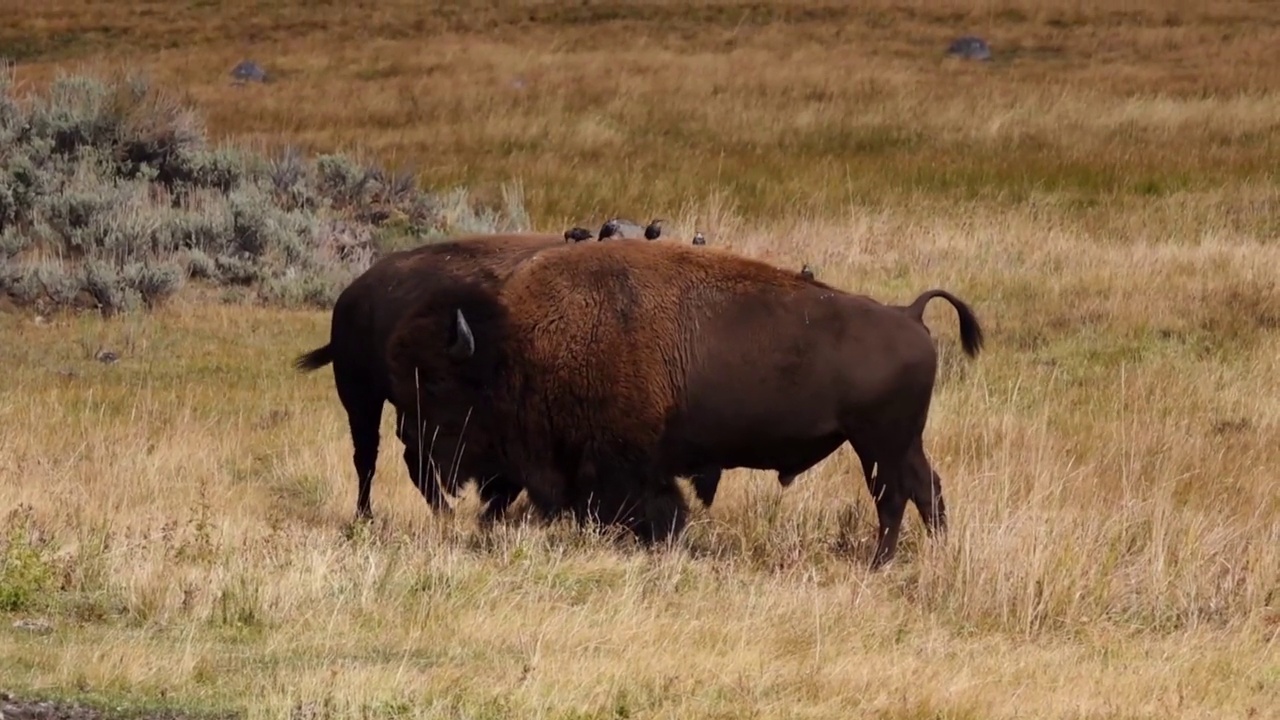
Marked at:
<point>605,370</point>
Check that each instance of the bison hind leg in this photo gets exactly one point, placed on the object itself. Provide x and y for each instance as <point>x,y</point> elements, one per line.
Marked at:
<point>891,502</point>
<point>364,415</point>
<point>924,487</point>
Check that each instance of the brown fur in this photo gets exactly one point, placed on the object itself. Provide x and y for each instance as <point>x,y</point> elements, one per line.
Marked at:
<point>363,318</point>
<point>640,361</point>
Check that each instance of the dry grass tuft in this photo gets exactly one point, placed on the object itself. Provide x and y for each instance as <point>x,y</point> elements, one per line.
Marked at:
<point>1102,193</point>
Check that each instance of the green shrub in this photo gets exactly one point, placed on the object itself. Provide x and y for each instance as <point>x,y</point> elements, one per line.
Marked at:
<point>26,566</point>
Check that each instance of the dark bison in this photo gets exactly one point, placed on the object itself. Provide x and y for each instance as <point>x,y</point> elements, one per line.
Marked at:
<point>363,318</point>
<point>630,363</point>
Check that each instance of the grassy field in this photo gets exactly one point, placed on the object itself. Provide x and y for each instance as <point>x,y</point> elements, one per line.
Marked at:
<point>176,525</point>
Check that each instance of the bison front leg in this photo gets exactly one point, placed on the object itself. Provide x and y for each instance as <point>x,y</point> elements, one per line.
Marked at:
<point>497,493</point>
<point>705,484</point>
<point>663,511</point>
<point>548,488</point>
<point>636,496</point>
<point>652,516</point>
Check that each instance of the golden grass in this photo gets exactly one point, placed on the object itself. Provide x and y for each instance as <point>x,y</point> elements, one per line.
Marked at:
<point>653,107</point>
<point>1108,461</point>
<point>1108,464</point>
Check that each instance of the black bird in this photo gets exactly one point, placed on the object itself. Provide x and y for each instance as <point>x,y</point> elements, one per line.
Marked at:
<point>806,272</point>
<point>654,230</point>
<point>577,235</point>
<point>698,239</point>
<point>608,230</point>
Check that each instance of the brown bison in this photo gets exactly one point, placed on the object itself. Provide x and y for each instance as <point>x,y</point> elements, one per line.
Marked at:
<point>363,318</point>
<point>603,371</point>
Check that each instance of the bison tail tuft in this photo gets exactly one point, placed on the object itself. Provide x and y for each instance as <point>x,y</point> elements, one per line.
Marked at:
<point>314,360</point>
<point>971,335</point>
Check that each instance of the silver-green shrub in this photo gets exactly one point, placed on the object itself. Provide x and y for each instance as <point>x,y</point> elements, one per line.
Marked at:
<point>110,194</point>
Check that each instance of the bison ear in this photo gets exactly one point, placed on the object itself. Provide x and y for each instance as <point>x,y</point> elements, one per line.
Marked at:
<point>464,346</point>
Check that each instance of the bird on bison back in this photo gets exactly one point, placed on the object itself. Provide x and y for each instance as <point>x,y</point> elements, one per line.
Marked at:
<point>609,229</point>
<point>606,372</point>
<point>363,318</point>
<point>577,234</point>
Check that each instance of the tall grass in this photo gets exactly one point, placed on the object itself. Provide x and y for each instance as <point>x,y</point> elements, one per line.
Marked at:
<point>1107,463</point>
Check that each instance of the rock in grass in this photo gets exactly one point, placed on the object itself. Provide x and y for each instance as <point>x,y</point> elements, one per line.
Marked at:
<point>248,71</point>
<point>969,47</point>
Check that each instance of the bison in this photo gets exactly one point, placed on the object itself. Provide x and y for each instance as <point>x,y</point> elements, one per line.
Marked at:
<point>603,371</point>
<point>363,318</point>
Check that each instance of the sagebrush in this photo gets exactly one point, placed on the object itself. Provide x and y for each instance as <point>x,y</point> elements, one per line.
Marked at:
<point>112,196</point>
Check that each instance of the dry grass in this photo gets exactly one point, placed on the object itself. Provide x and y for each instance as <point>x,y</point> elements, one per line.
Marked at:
<point>1107,207</point>
<point>652,107</point>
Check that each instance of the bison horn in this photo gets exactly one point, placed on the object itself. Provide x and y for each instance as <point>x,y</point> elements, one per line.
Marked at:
<point>465,346</point>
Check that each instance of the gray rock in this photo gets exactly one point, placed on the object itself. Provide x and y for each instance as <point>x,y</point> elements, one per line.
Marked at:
<point>969,47</point>
<point>248,71</point>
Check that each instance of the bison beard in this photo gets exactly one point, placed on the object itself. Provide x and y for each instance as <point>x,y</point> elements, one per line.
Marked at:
<point>363,318</point>
<point>604,371</point>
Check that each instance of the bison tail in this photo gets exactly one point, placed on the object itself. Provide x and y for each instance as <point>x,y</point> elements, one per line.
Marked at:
<point>314,360</point>
<point>971,336</point>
